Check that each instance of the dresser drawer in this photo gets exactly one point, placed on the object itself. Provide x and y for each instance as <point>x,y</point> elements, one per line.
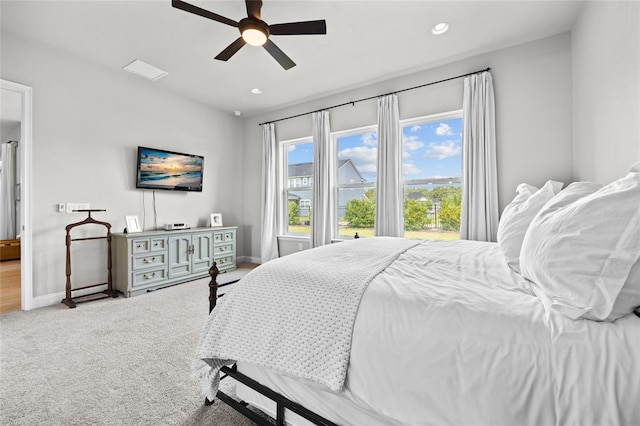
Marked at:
<point>158,244</point>
<point>221,250</point>
<point>148,261</point>
<point>225,262</point>
<point>149,276</point>
<point>229,236</point>
<point>218,237</point>
<point>141,246</point>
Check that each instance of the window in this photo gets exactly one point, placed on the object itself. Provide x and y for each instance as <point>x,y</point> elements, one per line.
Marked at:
<point>432,186</point>
<point>297,190</point>
<point>357,153</point>
<point>432,170</point>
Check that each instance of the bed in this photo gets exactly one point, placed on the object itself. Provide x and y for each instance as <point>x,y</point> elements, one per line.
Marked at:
<point>538,329</point>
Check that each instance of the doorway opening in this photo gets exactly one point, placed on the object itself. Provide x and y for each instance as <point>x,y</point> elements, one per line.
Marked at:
<point>17,129</point>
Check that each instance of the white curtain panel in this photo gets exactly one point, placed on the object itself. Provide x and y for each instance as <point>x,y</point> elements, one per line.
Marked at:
<point>323,177</point>
<point>8,192</point>
<point>389,198</point>
<point>479,215</point>
<point>269,242</point>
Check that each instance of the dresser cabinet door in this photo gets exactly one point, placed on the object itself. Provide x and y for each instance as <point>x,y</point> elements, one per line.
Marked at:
<point>179,256</point>
<point>202,252</point>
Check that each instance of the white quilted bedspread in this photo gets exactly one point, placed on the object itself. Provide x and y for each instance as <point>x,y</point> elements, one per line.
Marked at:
<point>295,314</point>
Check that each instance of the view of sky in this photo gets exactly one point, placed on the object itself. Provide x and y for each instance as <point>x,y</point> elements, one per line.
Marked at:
<point>430,150</point>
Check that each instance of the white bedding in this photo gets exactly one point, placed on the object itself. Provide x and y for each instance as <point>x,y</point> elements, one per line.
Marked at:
<point>317,288</point>
<point>449,334</point>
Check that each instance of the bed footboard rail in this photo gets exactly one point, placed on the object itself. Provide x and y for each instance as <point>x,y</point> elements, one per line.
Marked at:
<point>282,403</point>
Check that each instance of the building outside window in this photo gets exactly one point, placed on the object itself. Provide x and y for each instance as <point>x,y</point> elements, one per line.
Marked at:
<point>356,156</point>
<point>297,170</point>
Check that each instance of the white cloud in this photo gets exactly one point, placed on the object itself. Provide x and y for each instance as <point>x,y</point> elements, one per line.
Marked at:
<point>444,130</point>
<point>412,143</point>
<point>410,169</point>
<point>443,150</point>
<point>364,158</point>
<point>291,148</point>
<point>415,128</point>
<point>370,139</point>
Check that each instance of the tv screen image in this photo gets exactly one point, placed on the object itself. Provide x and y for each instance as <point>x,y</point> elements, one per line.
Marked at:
<point>162,169</point>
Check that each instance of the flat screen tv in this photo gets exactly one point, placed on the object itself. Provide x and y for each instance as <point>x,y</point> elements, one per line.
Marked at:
<point>162,169</point>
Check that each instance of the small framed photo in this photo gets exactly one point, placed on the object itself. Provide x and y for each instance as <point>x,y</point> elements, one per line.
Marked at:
<point>133,225</point>
<point>216,219</point>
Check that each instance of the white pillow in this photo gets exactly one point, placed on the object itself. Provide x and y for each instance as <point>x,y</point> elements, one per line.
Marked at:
<point>628,299</point>
<point>517,216</point>
<point>580,249</point>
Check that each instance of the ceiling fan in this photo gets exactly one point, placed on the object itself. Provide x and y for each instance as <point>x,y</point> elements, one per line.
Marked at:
<point>255,31</point>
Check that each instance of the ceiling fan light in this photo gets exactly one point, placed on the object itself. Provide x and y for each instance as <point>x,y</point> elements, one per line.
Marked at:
<point>254,36</point>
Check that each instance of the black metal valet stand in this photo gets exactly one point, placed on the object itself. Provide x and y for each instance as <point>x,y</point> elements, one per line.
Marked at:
<point>109,292</point>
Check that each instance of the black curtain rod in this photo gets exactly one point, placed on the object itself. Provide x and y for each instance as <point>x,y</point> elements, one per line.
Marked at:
<point>378,96</point>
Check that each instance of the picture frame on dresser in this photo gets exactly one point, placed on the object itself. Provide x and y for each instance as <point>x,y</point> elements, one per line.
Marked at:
<point>133,224</point>
<point>216,219</point>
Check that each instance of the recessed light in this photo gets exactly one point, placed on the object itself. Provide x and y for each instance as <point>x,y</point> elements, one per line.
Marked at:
<point>237,113</point>
<point>440,28</point>
<point>145,70</point>
<point>256,91</point>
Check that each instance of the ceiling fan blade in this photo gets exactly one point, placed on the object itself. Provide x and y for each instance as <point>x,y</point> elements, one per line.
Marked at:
<point>279,55</point>
<point>178,4</point>
<point>295,28</point>
<point>253,8</point>
<point>231,49</point>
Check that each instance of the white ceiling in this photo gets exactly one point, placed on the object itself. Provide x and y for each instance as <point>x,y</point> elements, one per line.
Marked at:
<point>366,41</point>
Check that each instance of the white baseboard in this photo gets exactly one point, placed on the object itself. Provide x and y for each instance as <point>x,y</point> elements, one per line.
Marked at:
<point>56,298</point>
<point>46,300</point>
<point>248,259</point>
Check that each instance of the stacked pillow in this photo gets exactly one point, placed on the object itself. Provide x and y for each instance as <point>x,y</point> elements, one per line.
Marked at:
<point>582,249</point>
<point>517,216</point>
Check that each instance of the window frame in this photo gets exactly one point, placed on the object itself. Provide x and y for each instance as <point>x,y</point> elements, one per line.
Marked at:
<point>283,178</point>
<point>283,186</point>
<point>373,128</point>
<point>427,119</point>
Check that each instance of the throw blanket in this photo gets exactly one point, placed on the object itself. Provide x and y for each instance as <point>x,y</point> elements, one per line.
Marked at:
<point>295,314</point>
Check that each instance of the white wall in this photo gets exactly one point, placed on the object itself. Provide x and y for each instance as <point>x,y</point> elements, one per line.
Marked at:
<point>533,109</point>
<point>87,123</point>
<point>606,89</point>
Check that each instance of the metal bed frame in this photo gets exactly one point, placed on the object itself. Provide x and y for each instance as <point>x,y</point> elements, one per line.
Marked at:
<point>282,403</point>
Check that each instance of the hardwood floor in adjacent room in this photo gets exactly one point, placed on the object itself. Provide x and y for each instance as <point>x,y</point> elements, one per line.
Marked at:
<point>10,293</point>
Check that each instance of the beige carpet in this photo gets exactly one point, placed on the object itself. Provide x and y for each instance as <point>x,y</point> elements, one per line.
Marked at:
<point>109,362</point>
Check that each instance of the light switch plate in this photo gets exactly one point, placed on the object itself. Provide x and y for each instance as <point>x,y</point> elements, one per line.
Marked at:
<point>77,206</point>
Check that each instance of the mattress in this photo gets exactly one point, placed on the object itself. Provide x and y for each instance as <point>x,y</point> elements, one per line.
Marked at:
<point>449,334</point>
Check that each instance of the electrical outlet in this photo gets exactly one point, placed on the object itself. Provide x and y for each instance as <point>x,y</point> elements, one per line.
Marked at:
<point>299,246</point>
<point>62,208</point>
